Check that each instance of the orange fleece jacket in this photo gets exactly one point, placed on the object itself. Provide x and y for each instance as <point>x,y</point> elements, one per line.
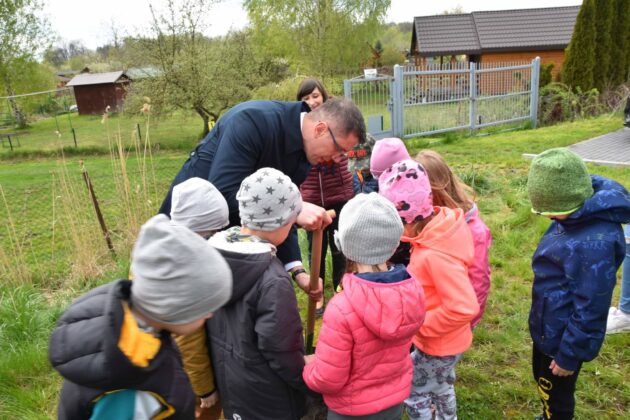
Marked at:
<point>440,256</point>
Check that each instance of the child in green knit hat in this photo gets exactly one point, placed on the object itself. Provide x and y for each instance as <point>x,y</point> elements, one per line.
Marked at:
<point>574,268</point>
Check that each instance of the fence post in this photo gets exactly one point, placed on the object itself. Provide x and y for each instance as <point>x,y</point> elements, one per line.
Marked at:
<point>533,103</point>
<point>398,118</point>
<point>473,96</point>
<point>347,89</point>
<point>97,209</point>
<point>74,136</point>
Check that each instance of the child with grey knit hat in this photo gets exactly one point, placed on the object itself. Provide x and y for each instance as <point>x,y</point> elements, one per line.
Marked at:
<point>361,365</point>
<point>113,345</point>
<point>199,206</point>
<point>256,339</point>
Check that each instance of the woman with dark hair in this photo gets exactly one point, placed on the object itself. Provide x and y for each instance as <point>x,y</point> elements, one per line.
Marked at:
<point>327,185</point>
<point>313,92</point>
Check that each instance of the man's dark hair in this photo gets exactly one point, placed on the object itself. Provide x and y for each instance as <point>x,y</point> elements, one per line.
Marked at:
<point>343,115</point>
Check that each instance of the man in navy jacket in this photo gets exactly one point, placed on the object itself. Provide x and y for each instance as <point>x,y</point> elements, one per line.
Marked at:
<point>281,135</point>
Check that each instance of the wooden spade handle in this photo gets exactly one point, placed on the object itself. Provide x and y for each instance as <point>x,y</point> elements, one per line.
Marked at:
<point>316,259</point>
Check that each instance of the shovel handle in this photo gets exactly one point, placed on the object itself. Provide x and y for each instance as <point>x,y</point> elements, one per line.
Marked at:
<point>316,259</point>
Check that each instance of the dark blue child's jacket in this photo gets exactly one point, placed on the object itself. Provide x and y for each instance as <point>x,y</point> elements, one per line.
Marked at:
<point>575,268</point>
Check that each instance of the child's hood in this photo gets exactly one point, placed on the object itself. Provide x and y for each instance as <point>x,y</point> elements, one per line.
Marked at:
<point>84,346</point>
<point>248,259</point>
<point>610,202</point>
<point>447,233</point>
<point>391,311</point>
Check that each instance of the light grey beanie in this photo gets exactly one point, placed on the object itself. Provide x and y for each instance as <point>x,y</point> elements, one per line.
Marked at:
<point>199,206</point>
<point>178,276</point>
<point>267,200</point>
<point>369,229</point>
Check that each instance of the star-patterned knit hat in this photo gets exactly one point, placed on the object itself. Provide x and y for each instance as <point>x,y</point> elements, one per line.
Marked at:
<point>268,200</point>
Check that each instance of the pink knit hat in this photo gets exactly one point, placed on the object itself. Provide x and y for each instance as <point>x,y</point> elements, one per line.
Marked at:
<point>386,152</point>
<point>407,186</point>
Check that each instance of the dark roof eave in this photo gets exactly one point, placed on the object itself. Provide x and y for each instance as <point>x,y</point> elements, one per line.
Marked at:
<point>442,53</point>
<point>492,50</point>
<point>526,48</point>
<point>117,82</point>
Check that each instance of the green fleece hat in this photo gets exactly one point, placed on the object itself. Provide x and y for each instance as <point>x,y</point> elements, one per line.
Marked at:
<point>558,182</point>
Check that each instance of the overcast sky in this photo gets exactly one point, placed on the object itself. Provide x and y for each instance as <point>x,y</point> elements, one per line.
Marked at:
<point>90,20</point>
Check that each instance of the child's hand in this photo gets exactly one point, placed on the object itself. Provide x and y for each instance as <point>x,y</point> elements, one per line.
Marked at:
<point>309,358</point>
<point>558,371</point>
<point>210,400</point>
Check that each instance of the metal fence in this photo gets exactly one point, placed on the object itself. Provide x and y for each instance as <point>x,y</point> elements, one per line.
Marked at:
<point>420,101</point>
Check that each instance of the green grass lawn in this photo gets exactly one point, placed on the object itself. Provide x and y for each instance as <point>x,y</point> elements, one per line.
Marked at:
<point>46,136</point>
<point>494,377</point>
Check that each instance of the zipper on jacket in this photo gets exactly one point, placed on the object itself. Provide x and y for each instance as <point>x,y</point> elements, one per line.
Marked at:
<point>321,186</point>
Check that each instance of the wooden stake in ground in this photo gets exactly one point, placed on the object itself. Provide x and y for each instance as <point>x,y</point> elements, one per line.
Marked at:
<point>97,209</point>
<point>316,259</point>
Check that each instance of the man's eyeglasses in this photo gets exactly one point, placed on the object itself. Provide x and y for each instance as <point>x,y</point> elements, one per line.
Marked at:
<point>342,153</point>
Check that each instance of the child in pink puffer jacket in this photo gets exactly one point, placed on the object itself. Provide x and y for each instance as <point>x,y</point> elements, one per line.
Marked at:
<point>449,191</point>
<point>362,365</point>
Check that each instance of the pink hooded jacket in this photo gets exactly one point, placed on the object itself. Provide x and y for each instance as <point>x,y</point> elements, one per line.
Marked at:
<point>362,363</point>
<point>479,270</point>
<point>440,257</point>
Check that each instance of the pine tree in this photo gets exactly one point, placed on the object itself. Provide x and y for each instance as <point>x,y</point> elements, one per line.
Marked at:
<point>603,43</point>
<point>580,55</point>
<point>620,53</point>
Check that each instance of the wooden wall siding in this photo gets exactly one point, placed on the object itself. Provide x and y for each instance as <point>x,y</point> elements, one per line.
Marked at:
<point>546,57</point>
<point>93,99</point>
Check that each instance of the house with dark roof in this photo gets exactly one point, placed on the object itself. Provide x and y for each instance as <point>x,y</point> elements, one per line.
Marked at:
<point>94,92</point>
<point>496,36</point>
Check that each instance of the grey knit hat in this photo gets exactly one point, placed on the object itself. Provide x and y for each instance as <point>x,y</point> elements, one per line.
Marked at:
<point>268,200</point>
<point>558,182</point>
<point>369,229</point>
<point>199,206</point>
<point>178,276</point>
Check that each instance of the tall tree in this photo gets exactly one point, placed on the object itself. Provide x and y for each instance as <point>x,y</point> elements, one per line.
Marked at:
<point>23,33</point>
<point>327,36</point>
<point>620,52</point>
<point>580,55</point>
<point>207,76</point>
<point>64,51</point>
<point>603,43</point>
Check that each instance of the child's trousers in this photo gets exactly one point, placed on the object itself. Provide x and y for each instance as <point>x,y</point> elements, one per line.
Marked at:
<point>556,392</point>
<point>391,413</point>
<point>433,383</point>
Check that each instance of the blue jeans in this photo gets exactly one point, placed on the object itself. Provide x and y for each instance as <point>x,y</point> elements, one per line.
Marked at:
<point>624,299</point>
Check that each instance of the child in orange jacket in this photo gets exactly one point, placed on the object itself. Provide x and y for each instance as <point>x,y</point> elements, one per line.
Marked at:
<point>441,251</point>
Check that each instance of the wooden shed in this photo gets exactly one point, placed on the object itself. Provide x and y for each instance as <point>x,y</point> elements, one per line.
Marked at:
<point>496,36</point>
<point>96,91</point>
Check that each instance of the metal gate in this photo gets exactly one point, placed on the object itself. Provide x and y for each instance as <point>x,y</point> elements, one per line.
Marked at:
<point>436,99</point>
<point>374,98</point>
